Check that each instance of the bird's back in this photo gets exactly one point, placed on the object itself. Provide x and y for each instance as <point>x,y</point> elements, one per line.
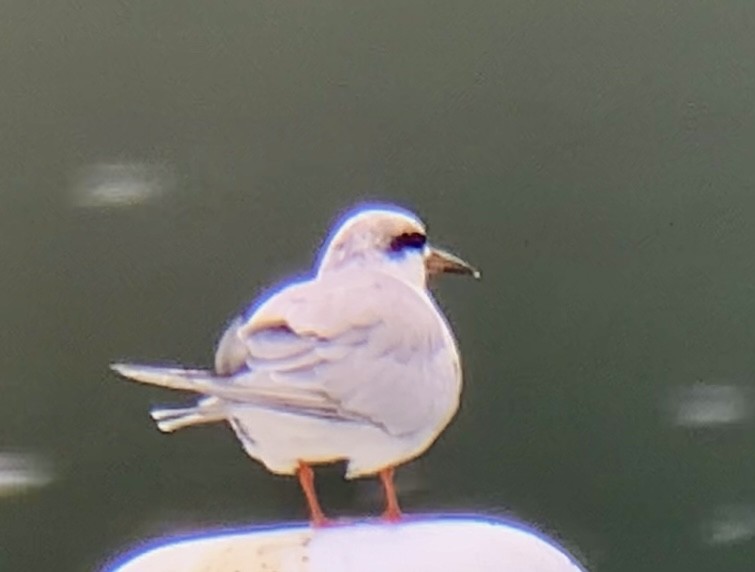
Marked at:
<point>373,345</point>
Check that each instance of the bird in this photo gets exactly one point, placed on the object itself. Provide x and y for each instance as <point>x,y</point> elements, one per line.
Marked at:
<point>354,363</point>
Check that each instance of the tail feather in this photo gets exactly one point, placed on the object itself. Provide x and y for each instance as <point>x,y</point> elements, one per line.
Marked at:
<point>171,419</point>
<point>245,387</point>
<point>197,380</point>
<point>207,410</point>
<point>201,381</point>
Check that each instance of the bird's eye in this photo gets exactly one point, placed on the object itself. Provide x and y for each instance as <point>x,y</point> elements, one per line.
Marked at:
<point>408,240</point>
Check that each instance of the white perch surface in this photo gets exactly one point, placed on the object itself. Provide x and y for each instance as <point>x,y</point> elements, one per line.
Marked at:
<point>433,544</point>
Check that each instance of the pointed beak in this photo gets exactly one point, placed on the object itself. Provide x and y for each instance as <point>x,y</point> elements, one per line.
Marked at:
<point>439,261</point>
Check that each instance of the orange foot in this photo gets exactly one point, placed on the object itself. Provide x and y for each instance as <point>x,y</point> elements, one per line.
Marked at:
<point>307,481</point>
<point>392,511</point>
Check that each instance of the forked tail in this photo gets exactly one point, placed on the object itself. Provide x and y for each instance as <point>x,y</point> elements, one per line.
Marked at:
<point>207,410</point>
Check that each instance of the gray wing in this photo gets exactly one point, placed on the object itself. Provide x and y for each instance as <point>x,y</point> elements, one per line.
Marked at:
<point>231,353</point>
<point>352,347</point>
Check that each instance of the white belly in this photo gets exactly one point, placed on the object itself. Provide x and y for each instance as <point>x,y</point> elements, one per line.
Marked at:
<point>280,440</point>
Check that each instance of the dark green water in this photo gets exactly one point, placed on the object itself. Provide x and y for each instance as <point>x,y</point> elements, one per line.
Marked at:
<point>596,160</point>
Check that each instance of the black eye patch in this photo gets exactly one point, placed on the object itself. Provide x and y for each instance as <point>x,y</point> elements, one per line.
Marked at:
<point>408,240</point>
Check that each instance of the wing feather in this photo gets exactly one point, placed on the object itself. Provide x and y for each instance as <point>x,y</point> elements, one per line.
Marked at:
<point>359,346</point>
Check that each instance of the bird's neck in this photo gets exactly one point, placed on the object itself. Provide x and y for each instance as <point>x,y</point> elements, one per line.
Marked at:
<point>408,267</point>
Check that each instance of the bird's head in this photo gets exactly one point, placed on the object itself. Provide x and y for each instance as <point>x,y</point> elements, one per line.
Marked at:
<point>392,239</point>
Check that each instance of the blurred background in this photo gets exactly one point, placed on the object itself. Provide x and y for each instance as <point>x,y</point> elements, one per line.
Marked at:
<point>161,163</point>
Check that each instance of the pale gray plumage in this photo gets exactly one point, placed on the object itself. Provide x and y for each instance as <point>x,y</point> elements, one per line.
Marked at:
<point>356,364</point>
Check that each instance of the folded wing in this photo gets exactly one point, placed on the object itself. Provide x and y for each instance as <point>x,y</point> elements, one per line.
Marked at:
<point>358,347</point>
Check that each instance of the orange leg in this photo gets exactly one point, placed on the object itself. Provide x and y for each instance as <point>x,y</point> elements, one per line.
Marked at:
<point>307,482</point>
<point>392,510</point>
